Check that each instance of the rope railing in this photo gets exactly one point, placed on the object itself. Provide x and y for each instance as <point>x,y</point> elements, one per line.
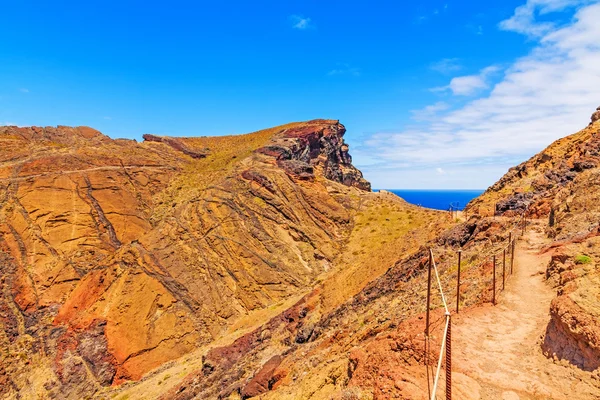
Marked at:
<point>445,338</point>
<point>517,229</point>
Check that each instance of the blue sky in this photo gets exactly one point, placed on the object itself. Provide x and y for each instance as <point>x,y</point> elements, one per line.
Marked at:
<point>439,94</point>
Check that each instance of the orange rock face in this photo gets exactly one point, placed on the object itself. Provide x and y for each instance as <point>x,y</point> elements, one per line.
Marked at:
<point>118,256</point>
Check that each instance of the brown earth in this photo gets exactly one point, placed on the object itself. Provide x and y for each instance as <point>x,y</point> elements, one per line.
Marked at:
<point>500,348</point>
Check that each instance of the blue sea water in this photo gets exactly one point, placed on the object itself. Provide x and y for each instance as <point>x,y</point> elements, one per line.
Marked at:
<point>437,199</point>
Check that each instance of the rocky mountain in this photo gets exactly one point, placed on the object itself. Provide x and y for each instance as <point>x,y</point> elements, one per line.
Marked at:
<point>258,265</point>
<point>118,256</point>
<point>369,345</point>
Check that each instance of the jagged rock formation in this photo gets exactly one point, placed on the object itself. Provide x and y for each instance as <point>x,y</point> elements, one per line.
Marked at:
<point>596,115</point>
<point>118,256</point>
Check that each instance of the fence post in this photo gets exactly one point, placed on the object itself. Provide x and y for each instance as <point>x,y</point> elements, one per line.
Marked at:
<point>458,282</point>
<point>512,257</point>
<point>510,239</point>
<point>449,359</point>
<point>494,282</point>
<point>428,293</point>
<point>503,267</point>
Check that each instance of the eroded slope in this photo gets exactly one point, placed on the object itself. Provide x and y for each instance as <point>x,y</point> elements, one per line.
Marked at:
<point>118,256</point>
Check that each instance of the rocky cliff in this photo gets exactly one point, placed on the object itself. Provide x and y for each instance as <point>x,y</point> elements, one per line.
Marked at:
<point>118,256</point>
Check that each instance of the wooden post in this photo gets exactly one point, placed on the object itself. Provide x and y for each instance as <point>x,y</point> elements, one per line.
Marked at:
<point>449,359</point>
<point>494,282</point>
<point>512,257</point>
<point>458,282</point>
<point>428,293</point>
<point>510,241</point>
<point>503,267</point>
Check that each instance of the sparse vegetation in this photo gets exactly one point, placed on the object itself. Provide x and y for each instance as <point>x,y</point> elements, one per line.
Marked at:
<point>582,259</point>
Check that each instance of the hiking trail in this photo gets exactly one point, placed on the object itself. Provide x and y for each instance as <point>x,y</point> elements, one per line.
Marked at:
<point>496,349</point>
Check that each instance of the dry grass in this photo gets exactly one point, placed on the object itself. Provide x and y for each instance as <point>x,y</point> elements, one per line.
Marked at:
<point>385,230</point>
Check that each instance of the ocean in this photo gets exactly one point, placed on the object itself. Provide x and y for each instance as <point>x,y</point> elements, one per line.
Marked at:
<point>437,199</point>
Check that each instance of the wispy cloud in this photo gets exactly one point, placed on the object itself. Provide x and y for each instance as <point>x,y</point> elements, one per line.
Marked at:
<point>545,95</point>
<point>524,18</point>
<point>344,69</point>
<point>470,84</point>
<point>108,118</point>
<point>301,23</point>
<point>23,90</point>
<point>435,13</point>
<point>430,112</point>
<point>446,65</point>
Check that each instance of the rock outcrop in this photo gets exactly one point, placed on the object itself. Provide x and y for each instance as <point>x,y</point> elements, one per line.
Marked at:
<point>596,115</point>
<point>300,150</point>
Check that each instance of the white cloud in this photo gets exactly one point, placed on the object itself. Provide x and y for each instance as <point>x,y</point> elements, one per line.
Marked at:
<point>301,23</point>
<point>24,90</point>
<point>430,112</point>
<point>446,65</point>
<point>108,118</point>
<point>344,69</point>
<point>469,84</point>
<point>440,171</point>
<point>545,95</point>
<point>8,124</point>
<point>524,18</point>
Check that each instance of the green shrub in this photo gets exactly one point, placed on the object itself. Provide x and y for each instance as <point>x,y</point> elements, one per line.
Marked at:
<point>582,259</point>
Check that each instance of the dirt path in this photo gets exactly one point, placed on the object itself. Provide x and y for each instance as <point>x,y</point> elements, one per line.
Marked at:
<point>496,350</point>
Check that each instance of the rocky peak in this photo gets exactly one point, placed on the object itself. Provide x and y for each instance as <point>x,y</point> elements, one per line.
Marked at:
<point>596,115</point>
<point>315,147</point>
